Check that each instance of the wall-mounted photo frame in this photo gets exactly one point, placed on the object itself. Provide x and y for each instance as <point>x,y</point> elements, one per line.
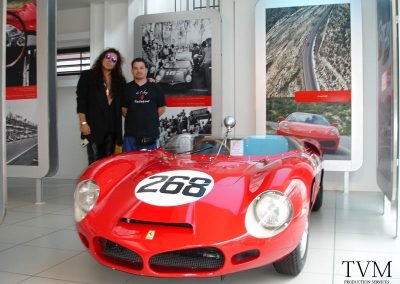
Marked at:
<point>309,75</point>
<point>183,53</point>
<point>30,110</point>
<point>3,177</point>
<point>387,101</point>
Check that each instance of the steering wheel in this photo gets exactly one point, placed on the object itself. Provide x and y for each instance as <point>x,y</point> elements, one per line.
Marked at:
<point>21,41</point>
<point>215,142</point>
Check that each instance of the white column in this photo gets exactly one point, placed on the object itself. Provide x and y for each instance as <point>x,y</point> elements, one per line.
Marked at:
<point>96,30</point>
<point>244,79</point>
<point>135,9</point>
<point>227,10</point>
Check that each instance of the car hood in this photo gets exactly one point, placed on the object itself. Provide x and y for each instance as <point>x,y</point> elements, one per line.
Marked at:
<point>235,185</point>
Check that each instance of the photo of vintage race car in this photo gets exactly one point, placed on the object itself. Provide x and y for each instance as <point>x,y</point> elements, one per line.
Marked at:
<point>313,126</point>
<point>175,72</point>
<point>202,206</point>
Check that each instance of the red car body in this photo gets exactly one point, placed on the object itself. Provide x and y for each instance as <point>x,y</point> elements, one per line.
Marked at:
<point>23,18</point>
<point>124,231</point>
<point>313,126</point>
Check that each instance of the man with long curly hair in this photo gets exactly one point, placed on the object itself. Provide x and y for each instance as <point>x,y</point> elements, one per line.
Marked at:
<point>99,92</point>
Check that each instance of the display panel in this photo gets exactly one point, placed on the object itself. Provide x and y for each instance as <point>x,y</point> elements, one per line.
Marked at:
<point>307,58</point>
<point>181,50</point>
<point>3,177</point>
<point>27,107</point>
<point>386,167</point>
<point>21,87</point>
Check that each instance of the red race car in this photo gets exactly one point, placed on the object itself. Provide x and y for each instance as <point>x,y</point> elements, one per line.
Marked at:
<point>201,206</point>
<point>313,126</point>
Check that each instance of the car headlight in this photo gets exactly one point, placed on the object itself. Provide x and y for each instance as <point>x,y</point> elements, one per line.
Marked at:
<point>284,125</point>
<point>334,131</point>
<point>188,78</point>
<point>85,196</point>
<point>268,214</point>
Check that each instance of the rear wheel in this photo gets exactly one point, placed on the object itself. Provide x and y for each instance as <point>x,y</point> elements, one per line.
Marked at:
<point>293,263</point>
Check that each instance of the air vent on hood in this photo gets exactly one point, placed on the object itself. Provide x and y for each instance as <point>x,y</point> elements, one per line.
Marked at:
<point>141,222</point>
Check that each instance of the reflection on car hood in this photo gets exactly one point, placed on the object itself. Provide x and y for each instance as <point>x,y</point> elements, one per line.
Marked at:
<point>307,127</point>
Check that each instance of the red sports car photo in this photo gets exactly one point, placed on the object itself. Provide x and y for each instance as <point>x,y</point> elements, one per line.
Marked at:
<point>202,206</point>
<point>21,49</point>
<point>309,125</point>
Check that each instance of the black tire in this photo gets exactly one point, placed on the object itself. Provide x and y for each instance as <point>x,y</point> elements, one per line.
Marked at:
<point>293,263</point>
<point>320,196</point>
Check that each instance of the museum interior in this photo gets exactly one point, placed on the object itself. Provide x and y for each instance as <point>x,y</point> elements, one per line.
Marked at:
<point>268,104</point>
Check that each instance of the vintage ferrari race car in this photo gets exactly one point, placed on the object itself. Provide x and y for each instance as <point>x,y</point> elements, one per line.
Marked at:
<point>202,206</point>
<point>176,73</point>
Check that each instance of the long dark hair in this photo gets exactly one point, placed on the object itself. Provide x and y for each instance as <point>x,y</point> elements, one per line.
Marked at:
<point>117,77</point>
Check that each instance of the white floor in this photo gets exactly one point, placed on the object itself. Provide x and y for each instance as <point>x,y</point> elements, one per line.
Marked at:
<point>39,245</point>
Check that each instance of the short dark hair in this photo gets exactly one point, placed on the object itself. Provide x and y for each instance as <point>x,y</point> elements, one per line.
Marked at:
<point>139,59</point>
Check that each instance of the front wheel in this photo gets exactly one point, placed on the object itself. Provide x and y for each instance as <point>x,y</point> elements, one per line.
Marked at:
<point>320,196</point>
<point>293,263</point>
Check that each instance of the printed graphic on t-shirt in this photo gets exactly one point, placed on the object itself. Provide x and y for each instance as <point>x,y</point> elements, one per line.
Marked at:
<point>142,97</point>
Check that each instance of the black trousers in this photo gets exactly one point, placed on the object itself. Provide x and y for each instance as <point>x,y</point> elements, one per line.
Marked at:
<point>97,151</point>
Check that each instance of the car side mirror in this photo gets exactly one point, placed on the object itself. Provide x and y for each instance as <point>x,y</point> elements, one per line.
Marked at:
<point>334,124</point>
<point>229,122</point>
<point>281,118</point>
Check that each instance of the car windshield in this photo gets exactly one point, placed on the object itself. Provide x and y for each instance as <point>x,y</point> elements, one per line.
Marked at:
<point>263,145</point>
<point>308,118</point>
<point>178,64</point>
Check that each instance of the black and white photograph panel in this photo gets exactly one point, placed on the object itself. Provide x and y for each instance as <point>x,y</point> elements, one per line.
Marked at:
<point>178,54</point>
<point>179,120</point>
<point>21,133</point>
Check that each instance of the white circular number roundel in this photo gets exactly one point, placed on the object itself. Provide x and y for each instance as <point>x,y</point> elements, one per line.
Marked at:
<point>174,188</point>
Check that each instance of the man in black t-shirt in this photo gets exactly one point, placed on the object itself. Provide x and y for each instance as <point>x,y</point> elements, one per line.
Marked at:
<point>142,103</point>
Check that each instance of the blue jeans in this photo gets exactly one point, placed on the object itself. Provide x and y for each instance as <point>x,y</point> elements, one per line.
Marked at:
<point>131,145</point>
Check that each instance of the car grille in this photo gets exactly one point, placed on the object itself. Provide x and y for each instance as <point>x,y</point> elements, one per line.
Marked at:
<point>118,254</point>
<point>204,259</point>
<point>328,143</point>
<point>189,260</point>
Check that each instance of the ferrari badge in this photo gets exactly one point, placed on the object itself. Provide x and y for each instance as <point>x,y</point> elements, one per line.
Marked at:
<point>150,235</point>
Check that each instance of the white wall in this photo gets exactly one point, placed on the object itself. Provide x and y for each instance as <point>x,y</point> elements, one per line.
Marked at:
<point>73,30</point>
<point>73,21</point>
<point>73,27</point>
<point>160,6</point>
<point>72,157</point>
<point>238,77</point>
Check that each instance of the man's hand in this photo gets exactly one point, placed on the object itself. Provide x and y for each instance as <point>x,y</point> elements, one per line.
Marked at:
<point>85,129</point>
